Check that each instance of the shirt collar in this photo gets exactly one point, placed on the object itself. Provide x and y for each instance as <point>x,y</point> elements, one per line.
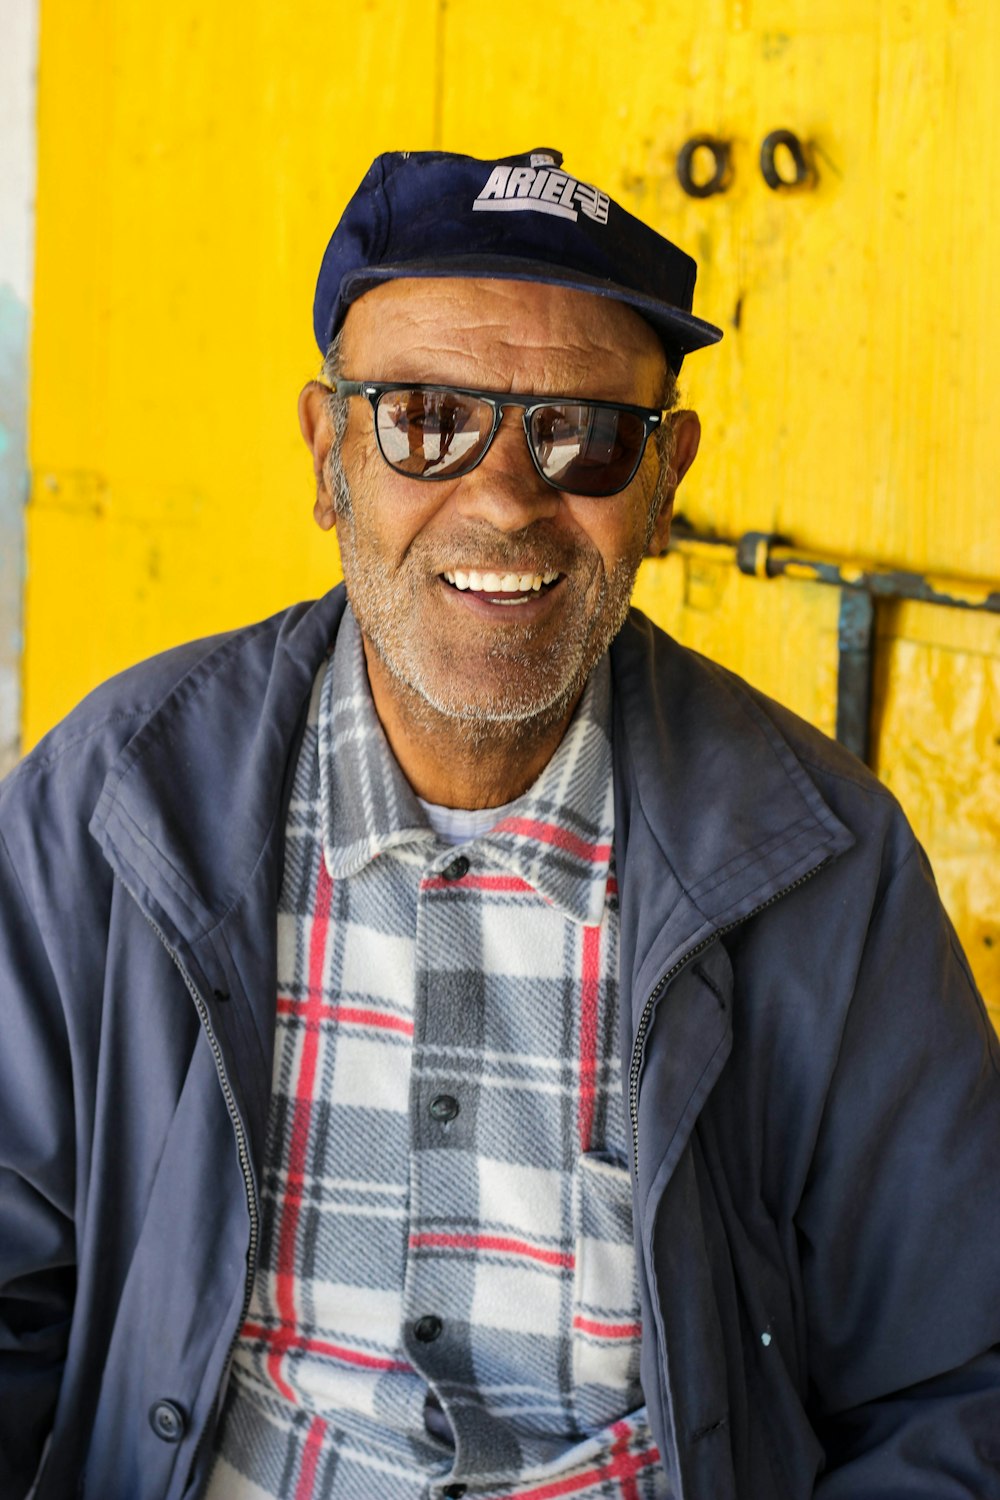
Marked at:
<point>557,837</point>
<point>367,805</point>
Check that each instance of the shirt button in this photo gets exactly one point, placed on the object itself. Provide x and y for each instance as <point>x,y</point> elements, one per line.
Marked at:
<point>167,1420</point>
<point>456,869</point>
<point>454,1491</point>
<point>443,1107</point>
<point>428,1328</point>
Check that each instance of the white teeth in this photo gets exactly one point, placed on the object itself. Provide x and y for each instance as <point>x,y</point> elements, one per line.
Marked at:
<point>498,583</point>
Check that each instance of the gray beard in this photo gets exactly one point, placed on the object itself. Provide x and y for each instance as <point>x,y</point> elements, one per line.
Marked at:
<point>376,605</point>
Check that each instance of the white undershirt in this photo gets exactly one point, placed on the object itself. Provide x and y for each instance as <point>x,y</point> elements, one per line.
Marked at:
<point>459,825</point>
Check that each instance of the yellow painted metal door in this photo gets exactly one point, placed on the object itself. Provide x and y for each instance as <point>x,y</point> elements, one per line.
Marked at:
<point>192,160</point>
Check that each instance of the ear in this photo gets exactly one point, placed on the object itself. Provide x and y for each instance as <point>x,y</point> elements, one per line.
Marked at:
<point>317,430</point>
<point>687,435</point>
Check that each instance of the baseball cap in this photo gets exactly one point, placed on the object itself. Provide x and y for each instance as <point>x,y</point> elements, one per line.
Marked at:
<point>518,218</point>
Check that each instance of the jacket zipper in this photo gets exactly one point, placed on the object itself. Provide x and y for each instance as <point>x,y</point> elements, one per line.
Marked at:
<point>243,1150</point>
<point>664,980</point>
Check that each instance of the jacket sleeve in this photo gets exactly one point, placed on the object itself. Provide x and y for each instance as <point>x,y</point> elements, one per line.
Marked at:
<point>900,1223</point>
<point>37,1154</point>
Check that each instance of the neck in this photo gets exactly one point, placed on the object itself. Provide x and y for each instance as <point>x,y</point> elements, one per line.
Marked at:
<point>466,763</point>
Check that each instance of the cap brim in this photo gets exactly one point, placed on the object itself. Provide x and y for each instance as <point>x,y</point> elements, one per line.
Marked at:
<point>681,332</point>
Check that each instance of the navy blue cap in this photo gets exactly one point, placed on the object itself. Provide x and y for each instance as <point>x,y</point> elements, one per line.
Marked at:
<point>520,218</point>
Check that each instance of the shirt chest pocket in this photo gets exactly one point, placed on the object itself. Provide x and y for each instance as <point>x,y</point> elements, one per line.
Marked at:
<point>606,1319</point>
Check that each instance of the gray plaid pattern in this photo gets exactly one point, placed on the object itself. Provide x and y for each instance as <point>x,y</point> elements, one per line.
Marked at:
<point>446,1290</point>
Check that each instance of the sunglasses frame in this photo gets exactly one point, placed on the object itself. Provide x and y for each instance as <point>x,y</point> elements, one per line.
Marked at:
<point>374,390</point>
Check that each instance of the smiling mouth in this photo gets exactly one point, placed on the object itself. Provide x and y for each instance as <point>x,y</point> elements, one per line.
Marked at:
<point>501,588</point>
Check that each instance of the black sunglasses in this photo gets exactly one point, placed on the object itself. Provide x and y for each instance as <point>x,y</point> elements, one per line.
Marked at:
<point>442,431</point>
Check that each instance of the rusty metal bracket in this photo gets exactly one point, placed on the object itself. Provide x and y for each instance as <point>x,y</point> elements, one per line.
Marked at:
<point>805,173</point>
<point>753,552</point>
<point>855,659</point>
<point>720,178</point>
<point>764,554</point>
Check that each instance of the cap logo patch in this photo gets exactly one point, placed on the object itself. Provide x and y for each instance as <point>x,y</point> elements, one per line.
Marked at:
<point>539,190</point>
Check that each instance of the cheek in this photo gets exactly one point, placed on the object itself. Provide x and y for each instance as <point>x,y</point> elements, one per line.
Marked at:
<point>361,465</point>
<point>618,534</point>
<point>386,519</point>
<point>647,503</point>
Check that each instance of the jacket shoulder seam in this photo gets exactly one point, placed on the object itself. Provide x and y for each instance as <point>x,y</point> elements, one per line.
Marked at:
<point>142,712</point>
<point>873,786</point>
<point>38,762</point>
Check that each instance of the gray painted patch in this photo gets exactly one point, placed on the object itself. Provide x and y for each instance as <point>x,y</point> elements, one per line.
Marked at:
<point>18,57</point>
<point>13,497</point>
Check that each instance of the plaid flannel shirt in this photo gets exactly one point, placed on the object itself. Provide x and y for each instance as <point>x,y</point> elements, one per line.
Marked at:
<point>445,1301</point>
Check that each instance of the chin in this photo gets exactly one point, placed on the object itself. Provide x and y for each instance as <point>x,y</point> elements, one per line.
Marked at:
<point>499,706</point>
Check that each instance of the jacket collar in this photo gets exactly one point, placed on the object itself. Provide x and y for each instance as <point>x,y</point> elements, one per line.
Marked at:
<point>194,801</point>
<point>710,794</point>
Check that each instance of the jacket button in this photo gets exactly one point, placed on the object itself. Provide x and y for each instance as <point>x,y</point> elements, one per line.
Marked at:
<point>443,1107</point>
<point>456,869</point>
<point>167,1420</point>
<point>428,1328</point>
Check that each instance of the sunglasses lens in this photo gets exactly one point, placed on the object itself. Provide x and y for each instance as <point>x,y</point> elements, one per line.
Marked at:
<point>432,434</point>
<point>587,450</point>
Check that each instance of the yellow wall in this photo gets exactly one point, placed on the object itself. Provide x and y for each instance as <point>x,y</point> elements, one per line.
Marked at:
<point>193,159</point>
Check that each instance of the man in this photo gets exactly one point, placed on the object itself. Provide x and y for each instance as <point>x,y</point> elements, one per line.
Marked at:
<point>643,1145</point>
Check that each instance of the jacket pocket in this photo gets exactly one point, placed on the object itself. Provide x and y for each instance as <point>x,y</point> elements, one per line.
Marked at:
<point>606,1318</point>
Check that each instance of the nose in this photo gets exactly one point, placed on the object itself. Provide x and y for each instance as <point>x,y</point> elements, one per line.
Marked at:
<point>505,489</point>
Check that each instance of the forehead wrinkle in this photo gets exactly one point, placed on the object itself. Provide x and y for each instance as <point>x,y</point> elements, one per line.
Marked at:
<point>574,354</point>
<point>500,364</point>
<point>503,336</point>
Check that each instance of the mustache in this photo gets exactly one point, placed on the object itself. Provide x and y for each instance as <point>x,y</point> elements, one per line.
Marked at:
<point>526,551</point>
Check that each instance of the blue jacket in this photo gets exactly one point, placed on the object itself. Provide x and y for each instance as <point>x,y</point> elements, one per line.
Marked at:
<point>812,1079</point>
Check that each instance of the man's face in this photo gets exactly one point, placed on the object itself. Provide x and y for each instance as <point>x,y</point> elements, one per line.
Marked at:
<point>464,652</point>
